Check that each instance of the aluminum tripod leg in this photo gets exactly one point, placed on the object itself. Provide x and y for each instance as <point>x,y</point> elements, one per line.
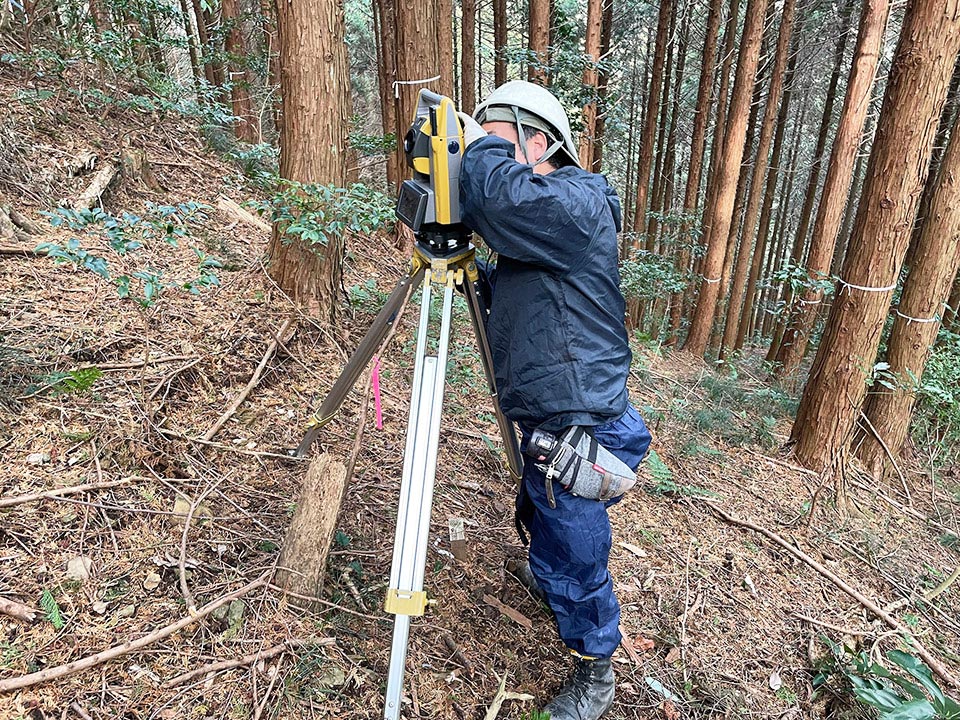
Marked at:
<point>405,596</point>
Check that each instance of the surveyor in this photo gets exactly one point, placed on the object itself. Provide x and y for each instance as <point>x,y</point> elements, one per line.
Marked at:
<point>560,355</point>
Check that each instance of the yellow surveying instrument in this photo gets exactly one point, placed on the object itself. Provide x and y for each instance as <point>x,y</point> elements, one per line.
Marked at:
<point>443,258</point>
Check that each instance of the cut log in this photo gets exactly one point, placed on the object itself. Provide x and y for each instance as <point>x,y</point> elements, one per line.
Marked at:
<point>101,181</point>
<point>303,561</point>
<point>242,214</point>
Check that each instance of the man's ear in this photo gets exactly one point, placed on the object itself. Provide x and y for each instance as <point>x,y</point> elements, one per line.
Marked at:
<point>537,146</point>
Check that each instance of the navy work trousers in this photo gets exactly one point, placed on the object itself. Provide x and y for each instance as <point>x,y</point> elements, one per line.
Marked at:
<point>570,544</point>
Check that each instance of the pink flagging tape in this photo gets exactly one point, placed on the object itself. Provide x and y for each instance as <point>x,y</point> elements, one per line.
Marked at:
<point>376,393</point>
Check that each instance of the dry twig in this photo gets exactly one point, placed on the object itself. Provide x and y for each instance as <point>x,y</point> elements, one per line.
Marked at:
<point>925,654</point>
<point>271,349</point>
<point>245,660</point>
<point>54,673</point>
<point>20,499</point>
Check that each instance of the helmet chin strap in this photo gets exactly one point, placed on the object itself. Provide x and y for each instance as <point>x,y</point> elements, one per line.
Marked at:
<point>557,144</point>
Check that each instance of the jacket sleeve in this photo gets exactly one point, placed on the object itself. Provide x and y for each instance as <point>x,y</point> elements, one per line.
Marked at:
<point>544,220</point>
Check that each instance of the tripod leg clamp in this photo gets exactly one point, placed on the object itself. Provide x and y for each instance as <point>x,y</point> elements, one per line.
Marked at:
<point>404,602</point>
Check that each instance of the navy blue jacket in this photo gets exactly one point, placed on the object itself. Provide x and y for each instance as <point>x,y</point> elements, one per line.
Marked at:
<point>556,325</point>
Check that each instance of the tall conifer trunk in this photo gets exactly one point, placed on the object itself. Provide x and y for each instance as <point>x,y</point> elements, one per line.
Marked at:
<point>916,90</point>
<point>731,158</point>
<point>836,186</point>
<point>697,155</point>
<point>313,141</point>
<point>917,320</point>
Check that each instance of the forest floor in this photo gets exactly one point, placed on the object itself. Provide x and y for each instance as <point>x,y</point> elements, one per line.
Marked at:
<point>719,619</point>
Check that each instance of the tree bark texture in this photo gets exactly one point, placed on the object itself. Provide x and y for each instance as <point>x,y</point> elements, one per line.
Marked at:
<point>313,140</point>
<point>591,50</point>
<point>731,326</point>
<point>246,126</point>
<point>499,42</point>
<point>836,186</point>
<point>385,16</point>
<point>916,90</point>
<point>939,145</point>
<point>917,320</point>
<point>732,156</point>
<point>648,137</point>
<point>468,44</point>
<point>603,80</point>
<point>540,41</point>
<point>697,155</point>
<point>444,31</point>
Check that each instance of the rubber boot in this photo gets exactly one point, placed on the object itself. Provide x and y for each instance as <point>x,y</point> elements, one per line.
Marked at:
<point>520,569</point>
<point>587,695</point>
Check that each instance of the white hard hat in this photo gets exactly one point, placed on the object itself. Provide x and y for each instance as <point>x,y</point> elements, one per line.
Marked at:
<point>530,105</point>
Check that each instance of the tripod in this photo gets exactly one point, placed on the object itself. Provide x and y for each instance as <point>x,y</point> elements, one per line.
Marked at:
<point>442,260</point>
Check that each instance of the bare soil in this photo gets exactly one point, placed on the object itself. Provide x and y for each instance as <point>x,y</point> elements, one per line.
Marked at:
<point>719,620</point>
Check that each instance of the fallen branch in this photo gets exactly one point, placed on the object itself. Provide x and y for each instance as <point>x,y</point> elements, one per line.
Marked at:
<point>515,615</point>
<point>271,349</point>
<point>16,610</point>
<point>243,215</point>
<point>73,490</point>
<point>54,673</point>
<point>28,251</point>
<point>98,185</point>
<point>166,432</point>
<point>925,654</point>
<point>245,660</point>
<point>457,654</point>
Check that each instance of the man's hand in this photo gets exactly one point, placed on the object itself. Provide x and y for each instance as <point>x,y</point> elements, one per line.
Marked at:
<point>471,129</point>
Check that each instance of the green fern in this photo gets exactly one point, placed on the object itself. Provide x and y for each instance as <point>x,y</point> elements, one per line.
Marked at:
<point>50,607</point>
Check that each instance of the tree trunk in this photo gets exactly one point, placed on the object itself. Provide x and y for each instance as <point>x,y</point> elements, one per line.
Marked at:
<point>716,149</point>
<point>313,141</point>
<point>917,321</point>
<point>540,41</point>
<point>939,143</point>
<point>778,246</point>
<point>385,15</point>
<point>656,196</point>
<point>191,40</point>
<point>697,154</point>
<point>591,50</point>
<point>730,160</point>
<point>418,61</point>
<point>836,186</point>
<point>916,90</point>
<point>762,250</point>
<point>733,234</point>
<point>245,125</point>
<point>499,42</point>
<point>652,111</point>
<point>800,241</point>
<point>444,30</point>
<point>606,33</point>
<point>731,327</point>
<point>952,311</point>
<point>468,42</point>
